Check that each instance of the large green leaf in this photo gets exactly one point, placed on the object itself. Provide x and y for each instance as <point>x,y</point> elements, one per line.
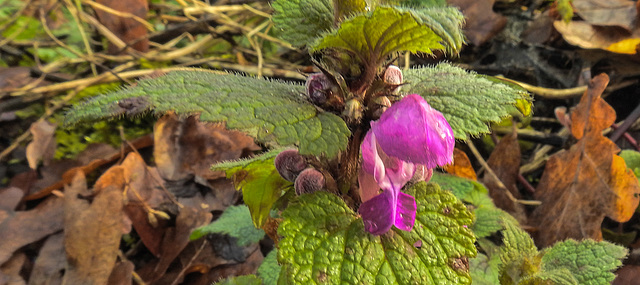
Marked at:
<point>300,22</point>
<point>269,270</point>
<point>468,101</point>
<point>236,222</point>
<point>260,182</point>
<point>386,30</point>
<point>324,242</point>
<point>589,261</point>
<point>273,112</point>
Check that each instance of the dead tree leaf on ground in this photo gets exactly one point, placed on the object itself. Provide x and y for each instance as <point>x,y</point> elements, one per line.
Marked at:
<point>10,270</point>
<point>128,29</point>
<point>92,231</point>
<point>505,162</point>
<point>24,227</point>
<point>481,22</point>
<point>48,266</point>
<point>43,145</point>
<point>461,166</point>
<point>582,185</point>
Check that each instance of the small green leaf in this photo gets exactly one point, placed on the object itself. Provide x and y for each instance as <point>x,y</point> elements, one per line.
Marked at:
<point>565,9</point>
<point>236,222</point>
<point>632,159</point>
<point>300,22</point>
<point>373,36</point>
<point>518,244</point>
<point>274,112</point>
<point>487,221</point>
<point>269,270</point>
<point>589,261</point>
<point>467,101</point>
<point>261,186</point>
<point>241,280</point>
<point>484,270</point>
<point>234,165</point>
<point>324,242</point>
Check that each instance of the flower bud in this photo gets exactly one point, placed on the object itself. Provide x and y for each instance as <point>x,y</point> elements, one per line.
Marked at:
<point>317,87</point>
<point>382,103</point>
<point>353,110</point>
<point>309,181</point>
<point>289,164</point>
<point>393,77</point>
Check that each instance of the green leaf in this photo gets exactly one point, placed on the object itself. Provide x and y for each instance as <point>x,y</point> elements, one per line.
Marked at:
<point>447,23</point>
<point>484,270</point>
<point>261,186</point>
<point>274,112</point>
<point>632,159</point>
<point>241,280</point>
<point>589,261</point>
<point>517,244</point>
<point>269,270</point>
<point>467,101</point>
<point>345,8</point>
<point>324,242</point>
<point>234,165</point>
<point>236,222</point>
<point>300,22</point>
<point>565,9</point>
<point>487,221</point>
<point>373,36</point>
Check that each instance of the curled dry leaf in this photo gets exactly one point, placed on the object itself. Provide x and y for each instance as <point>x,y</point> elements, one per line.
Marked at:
<point>92,232</point>
<point>481,22</point>
<point>582,185</point>
<point>43,146</point>
<point>461,166</point>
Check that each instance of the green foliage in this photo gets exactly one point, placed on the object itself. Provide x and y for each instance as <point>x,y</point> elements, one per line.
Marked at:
<point>565,9</point>
<point>467,101</point>
<point>386,30</point>
<point>590,262</point>
<point>273,112</point>
<point>260,183</point>
<point>300,22</point>
<point>484,269</point>
<point>632,159</point>
<point>324,242</point>
<point>269,270</point>
<point>236,222</point>
<point>241,280</point>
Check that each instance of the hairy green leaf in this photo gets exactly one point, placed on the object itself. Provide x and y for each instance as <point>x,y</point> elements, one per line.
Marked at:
<point>274,112</point>
<point>241,280</point>
<point>487,221</point>
<point>589,261</point>
<point>324,242</point>
<point>236,222</point>
<point>300,22</point>
<point>235,165</point>
<point>447,23</point>
<point>375,35</point>
<point>484,270</point>
<point>346,8</point>
<point>269,270</point>
<point>632,159</point>
<point>517,244</point>
<point>467,101</point>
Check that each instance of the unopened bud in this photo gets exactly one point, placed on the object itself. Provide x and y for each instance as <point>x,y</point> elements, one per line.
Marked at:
<point>317,87</point>
<point>422,174</point>
<point>289,164</point>
<point>353,110</point>
<point>382,103</point>
<point>393,76</point>
<point>309,181</point>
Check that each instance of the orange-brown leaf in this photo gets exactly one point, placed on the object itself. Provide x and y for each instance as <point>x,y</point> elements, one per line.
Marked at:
<point>461,166</point>
<point>582,185</point>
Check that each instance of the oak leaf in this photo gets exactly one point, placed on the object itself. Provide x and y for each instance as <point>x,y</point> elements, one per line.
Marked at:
<point>582,185</point>
<point>461,166</point>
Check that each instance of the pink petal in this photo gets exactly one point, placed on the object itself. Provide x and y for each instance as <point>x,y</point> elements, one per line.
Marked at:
<point>413,131</point>
<point>368,186</point>
<point>378,213</point>
<point>405,212</point>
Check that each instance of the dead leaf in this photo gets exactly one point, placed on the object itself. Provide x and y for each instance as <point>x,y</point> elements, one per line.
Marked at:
<point>481,22</point>
<point>10,270</point>
<point>587,36</point>
<point>127,28</point>
<point>505,162</point>
<point>43,145</point>
<point>620,13</point>
<point>10,198</point>
<point>50,262</point>
<point>122,274</point>
<point>187,147</point>
<point>24,227</point>
<point>461,166</point>
<point>92,231</point>
<point>627,275</point>
<point>582,185</point>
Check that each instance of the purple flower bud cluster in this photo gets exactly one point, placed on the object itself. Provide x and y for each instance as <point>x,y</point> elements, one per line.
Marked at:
<point>293,167</point>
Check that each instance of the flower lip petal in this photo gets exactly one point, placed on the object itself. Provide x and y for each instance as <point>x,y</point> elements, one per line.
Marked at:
<point>413,131</point>
<point>378,213</point>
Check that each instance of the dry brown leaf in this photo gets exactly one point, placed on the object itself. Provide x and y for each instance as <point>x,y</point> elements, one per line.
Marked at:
<point>50,262</point>
<point>481,22</point>
<point>184,147</point>
<point>127,29</point>
<point>92,231</point>
<point>24,227</point>
<point>505,162</point>
<point>10,198</point>
<point>10,270</point>
<point>620,13</point>
<point>461,166</point>
<point>122,274</point>
<point>627,275</point>
<point>582,185</point>
<point>43,145</point>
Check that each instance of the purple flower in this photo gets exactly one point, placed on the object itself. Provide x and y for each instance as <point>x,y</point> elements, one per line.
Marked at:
<point>409,135</point>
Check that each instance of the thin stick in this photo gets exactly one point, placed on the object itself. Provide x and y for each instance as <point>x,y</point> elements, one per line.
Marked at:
<point>493,175</point>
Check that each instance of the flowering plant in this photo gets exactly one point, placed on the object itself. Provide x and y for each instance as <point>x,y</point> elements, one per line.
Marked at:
<point>342,190</point>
